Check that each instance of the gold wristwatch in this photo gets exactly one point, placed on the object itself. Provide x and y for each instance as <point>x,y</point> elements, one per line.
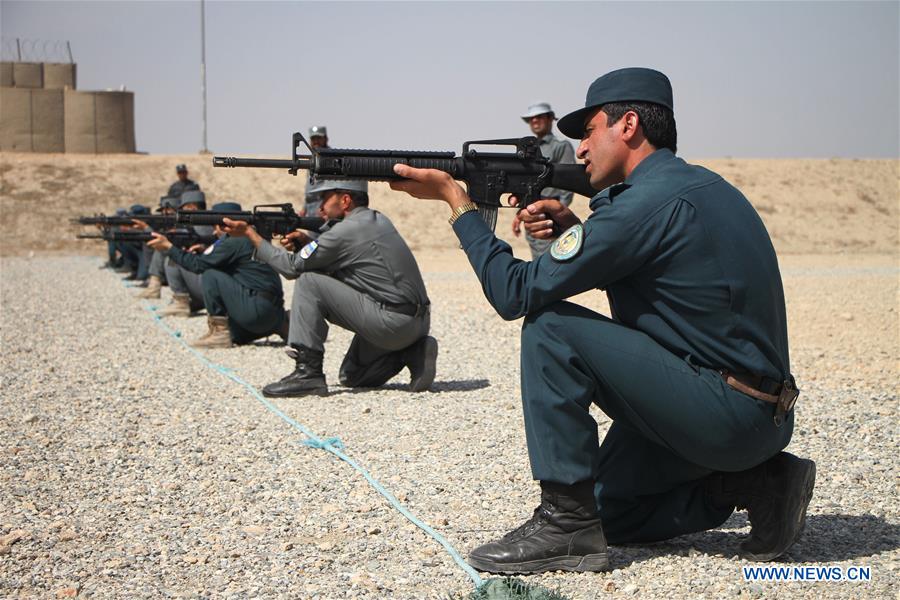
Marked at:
<point>461,210</point>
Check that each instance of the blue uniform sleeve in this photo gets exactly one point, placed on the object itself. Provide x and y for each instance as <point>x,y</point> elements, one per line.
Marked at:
<point>224,252</point>
<point>616,242</point>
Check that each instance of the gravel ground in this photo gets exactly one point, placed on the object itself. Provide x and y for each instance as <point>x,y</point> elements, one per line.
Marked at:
<point>131,469</point>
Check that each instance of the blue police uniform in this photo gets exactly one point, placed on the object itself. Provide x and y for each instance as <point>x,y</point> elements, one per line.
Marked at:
<point>248,292</point>
<point>694,287</point>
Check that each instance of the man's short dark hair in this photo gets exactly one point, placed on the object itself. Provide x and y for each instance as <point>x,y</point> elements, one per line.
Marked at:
<point>359,198</point>
<point>657,121</point>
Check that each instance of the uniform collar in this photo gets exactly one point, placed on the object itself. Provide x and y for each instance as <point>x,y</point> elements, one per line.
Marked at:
<point>645,167</point>
<point>547,138</point>
<point>650,163</point>
<point>357,211</point>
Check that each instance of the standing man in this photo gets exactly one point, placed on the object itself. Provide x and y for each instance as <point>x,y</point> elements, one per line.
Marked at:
<point>183,184</point>
<point>243,298</point>
<point>692,368</point>
<point>360,275</point>
<point>540,119</point>
<point>318,138</point>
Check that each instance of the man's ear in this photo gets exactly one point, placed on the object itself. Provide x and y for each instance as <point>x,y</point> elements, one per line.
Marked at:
<point>630,122</point>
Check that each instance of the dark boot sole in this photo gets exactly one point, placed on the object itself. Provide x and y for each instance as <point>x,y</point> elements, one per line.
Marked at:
<point>804,476</point>
<point>580,564</point>
<point>424,381</point>
<point>322,391</point>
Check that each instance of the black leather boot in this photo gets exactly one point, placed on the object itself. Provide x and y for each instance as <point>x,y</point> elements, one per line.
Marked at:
<point>775,494</point>
<point>563,534</point>
<point>421,359</point>
<point>306,379</point>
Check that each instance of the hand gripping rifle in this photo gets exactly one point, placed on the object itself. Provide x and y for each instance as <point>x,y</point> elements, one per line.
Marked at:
<point>266,222</point>
<point>488,175</point>
<point>156,222</point>
<point>182,238</point>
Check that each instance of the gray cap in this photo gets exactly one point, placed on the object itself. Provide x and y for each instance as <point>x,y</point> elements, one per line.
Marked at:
<point>181,168</point>
<point>318,130</point>
<point>326,185</point>
<point>167,202</point>
<point>192,197</point>
<point>540,108</point>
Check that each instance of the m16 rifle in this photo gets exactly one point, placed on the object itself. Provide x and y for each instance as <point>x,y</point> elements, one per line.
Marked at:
<point>488,175</point>
<point>266,222</point>
<point>182,238</point>
<point>155,222</point>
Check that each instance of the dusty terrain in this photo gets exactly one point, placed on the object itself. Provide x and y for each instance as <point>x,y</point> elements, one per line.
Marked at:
<point>132,468</point>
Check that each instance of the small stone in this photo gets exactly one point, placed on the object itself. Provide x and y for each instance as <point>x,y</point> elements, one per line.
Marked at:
<point>191,559</point>
<point>373,531</point>
<point>29,419</point>
<point>847,316</point>
<point>67,536</point>
<point>254,530</point>
<point>12,537</point>
<point>326,546</point>
<point>367,410</point>
<point>66,592</point>
<point>630,588</point>
<point>287,546</point>
<point>610,586</point>
<point>756,590</point>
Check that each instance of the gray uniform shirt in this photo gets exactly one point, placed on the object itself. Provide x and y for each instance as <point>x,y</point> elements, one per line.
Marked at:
<point>364,250</point>
<point>558,151</point>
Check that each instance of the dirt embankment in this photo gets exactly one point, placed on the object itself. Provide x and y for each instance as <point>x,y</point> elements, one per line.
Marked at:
<point>809,206</point>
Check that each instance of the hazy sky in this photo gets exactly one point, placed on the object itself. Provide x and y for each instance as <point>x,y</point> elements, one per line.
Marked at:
<point>766,79</point>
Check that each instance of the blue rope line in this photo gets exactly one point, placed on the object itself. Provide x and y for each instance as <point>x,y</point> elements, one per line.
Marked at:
<point>332,445</point>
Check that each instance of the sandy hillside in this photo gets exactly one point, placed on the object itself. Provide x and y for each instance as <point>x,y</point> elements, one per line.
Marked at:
<point>810,206</point>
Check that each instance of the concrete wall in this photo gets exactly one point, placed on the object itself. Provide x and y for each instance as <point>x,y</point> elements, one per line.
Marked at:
<point>31,120</point>
<point>99,122</point>
<point>40,111</point>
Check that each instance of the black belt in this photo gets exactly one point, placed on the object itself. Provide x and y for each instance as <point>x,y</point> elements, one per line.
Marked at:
<point>409,309</point>
<point>268,296</point>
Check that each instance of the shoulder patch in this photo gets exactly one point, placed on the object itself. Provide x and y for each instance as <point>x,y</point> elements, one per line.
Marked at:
<point>568,245</point>
<point>210,248</point>
<point>308,249</point>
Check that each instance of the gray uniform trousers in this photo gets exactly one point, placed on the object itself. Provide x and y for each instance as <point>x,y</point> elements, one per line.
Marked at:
<point>182,281</point>
<point>158,265</point>
<point>375,354</point>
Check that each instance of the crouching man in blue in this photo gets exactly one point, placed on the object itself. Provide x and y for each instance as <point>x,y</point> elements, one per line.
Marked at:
<point>243,298</point>
<point>360,275</point>
<point>692,368</point>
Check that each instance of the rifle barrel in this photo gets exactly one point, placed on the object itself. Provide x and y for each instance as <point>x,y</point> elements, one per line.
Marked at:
<point>264,163</point>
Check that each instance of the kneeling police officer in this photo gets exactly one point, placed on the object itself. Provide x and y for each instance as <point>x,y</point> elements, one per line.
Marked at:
<point>243,298</point>
<point>692,368</point>
<point>358,274</point>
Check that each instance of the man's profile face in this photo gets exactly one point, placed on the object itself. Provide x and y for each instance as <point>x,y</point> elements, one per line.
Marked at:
<point>600,151</point>
<point>182,175</point>
<point>541,124</point>
<point>318,141</point>
<point>332,206</point>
